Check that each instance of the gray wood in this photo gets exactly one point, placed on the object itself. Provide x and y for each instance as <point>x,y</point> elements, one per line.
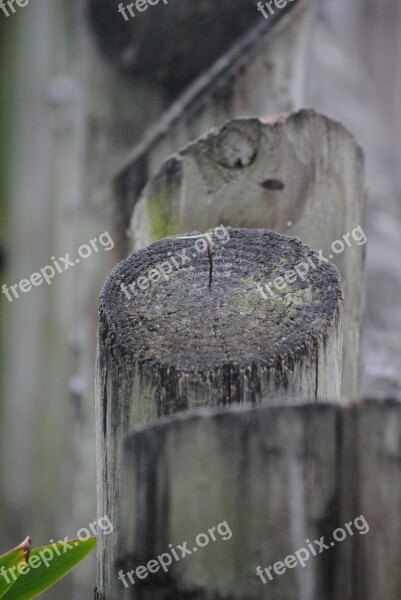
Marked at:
<point>302,175</point>
<point>268,473</point>
<point>278,476</point>
<point>182,343</point>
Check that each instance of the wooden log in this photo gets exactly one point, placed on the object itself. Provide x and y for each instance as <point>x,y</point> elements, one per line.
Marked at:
<point>273,478</point>
<point>302,175</point>
<point>207,334</point>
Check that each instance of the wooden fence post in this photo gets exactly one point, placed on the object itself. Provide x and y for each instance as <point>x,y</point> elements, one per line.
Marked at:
<point>189,322</point>
<point>267,473</point>
<point>301,174</point>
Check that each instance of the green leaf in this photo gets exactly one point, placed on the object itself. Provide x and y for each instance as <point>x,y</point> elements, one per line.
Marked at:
<point>49,566</point>
<point>11,560</point>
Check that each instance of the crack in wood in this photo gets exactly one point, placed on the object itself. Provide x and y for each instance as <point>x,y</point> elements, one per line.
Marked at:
<point>210,255</point>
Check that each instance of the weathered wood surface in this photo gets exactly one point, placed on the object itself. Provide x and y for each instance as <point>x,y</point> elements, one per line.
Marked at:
<point>72,123</point>
<point>202,337</point>
<point>263,73</point>
<point>83,117</point>
<point>279,477</point>
<point>302,175</point>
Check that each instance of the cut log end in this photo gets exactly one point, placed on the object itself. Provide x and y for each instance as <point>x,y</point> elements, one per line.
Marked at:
<point>258,298</point>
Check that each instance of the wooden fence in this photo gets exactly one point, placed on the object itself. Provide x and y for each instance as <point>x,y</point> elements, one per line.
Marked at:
<point>206,332</point>
<point>187,324</point>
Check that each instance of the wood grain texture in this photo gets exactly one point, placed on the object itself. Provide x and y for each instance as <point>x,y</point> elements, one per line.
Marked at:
<point>180,344</point>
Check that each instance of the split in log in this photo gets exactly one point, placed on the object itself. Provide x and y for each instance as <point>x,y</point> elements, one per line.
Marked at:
<point>190,322</point>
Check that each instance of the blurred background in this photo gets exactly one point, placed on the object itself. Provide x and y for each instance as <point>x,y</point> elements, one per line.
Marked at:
<point>79,88</point>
